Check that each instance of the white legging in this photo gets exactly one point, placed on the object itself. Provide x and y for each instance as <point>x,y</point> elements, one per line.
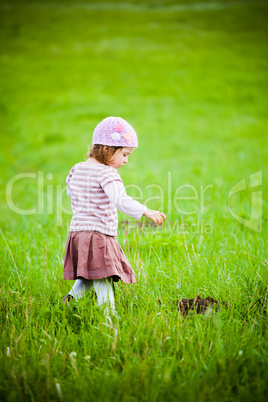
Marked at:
<point>103,288</point>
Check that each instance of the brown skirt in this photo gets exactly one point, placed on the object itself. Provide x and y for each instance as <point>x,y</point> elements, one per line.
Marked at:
<point>94,255</point>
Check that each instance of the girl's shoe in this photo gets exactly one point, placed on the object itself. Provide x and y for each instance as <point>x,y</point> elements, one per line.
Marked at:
<point>67,299</point>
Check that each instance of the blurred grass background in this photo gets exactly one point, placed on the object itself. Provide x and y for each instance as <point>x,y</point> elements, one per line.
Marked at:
<point>191,77</point>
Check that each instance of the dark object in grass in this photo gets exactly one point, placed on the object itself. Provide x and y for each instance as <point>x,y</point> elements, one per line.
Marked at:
<point>199,305</point>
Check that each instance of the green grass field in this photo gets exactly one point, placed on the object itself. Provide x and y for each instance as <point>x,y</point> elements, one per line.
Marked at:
<point>191,77</point>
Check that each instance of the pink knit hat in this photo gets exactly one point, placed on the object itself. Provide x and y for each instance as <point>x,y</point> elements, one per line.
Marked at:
<point>115,131</point>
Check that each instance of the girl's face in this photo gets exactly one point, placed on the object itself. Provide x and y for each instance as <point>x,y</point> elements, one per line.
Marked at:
<point>120,158</point>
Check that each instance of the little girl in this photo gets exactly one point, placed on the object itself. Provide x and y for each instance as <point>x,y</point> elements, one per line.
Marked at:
<point>93,256</point>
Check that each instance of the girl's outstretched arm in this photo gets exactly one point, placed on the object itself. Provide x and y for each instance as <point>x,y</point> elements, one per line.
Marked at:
<point>116,193</point>
<point>156,216</point>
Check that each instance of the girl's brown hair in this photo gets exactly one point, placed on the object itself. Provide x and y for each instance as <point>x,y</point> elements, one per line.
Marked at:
<point>102,153</point>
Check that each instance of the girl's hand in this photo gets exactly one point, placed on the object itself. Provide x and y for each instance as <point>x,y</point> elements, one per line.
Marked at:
<point>156,216</point>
